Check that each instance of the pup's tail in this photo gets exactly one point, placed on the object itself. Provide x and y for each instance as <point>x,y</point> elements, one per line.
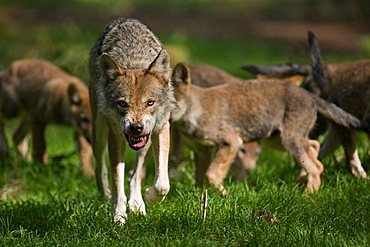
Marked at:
<point>318,72</point>
<point>339,116</point>
<point>279,70</point>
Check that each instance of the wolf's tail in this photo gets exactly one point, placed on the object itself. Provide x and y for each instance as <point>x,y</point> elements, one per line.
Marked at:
<point>339,116</point>
<point>279,70</point>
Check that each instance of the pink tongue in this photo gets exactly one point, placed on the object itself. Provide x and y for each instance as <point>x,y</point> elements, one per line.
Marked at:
<point>139,144</point>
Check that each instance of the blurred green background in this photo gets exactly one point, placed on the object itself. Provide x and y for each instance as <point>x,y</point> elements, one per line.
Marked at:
<point>224,33</point>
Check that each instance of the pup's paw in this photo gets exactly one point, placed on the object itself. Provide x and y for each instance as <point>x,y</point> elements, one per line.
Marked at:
<point>152,195</point>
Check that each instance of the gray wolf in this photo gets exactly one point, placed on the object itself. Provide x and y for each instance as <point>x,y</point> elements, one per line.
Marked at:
<point>131,99</point>
<point>346,84</point>
<point>41,93</point>
<point>252,110</point>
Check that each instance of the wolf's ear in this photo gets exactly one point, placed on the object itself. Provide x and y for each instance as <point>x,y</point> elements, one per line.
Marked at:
<point>74,96</point>
<point>109,67</point>
<point>181,75</point>
<point>161,65</point>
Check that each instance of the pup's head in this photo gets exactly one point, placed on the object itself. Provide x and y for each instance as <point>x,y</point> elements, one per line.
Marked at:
<point>181,80</point>
<point>79,107</point>
<point>138,100</point>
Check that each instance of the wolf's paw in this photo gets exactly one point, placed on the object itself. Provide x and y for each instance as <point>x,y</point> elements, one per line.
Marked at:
<point>120,218</point>
<point>137,206</point>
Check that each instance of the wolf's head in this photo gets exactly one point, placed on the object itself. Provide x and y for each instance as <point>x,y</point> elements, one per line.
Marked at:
<point>79,107</point>
<point>139,100</point>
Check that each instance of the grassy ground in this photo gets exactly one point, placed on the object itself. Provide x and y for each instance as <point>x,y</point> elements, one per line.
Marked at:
<point>55,205</point>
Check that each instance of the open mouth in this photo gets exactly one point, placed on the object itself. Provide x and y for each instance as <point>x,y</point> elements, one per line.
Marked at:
<point>137,142</point>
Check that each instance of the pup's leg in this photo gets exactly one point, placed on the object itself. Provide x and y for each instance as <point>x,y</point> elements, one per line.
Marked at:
<point>161,146</point>
<point>348,140</point>
<point>220,165</point>
<point>177,153</point>
<point>4,147</point>
<point>39,143</point>
<point>99,143</point>
<point>19,137</point>
<point>304,151</point>
<point>331,142</point>
<point>314,150</point>
<point>116,150</point>
<point>85,152</point>
<point>202,159</point>
<point>136,202</point>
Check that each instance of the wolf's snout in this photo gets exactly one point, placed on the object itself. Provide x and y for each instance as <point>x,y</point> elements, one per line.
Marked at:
<point>136,128</point>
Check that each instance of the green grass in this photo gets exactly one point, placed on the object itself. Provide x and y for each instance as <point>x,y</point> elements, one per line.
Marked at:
<point>55,205</point>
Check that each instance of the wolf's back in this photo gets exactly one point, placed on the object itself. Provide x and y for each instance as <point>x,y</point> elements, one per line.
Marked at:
<point>129,42</point>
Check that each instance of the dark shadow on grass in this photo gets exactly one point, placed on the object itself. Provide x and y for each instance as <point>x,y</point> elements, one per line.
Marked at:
<point>34,216</point>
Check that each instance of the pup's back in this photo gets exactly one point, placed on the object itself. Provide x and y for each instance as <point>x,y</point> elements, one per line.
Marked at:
<point>37,86</point>
<point>349,86</point>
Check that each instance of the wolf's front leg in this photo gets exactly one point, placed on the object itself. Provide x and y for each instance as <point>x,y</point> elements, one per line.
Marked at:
<point>99,144</point>
<point>136,202</point>
<point>161,147</point>
<point>116,150</point>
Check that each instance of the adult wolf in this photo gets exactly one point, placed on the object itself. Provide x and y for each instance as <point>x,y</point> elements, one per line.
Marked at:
<point>131,99</point>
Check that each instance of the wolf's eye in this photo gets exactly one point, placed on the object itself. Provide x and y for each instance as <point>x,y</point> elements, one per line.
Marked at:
<point>122,104</point>
<point>150,102</point>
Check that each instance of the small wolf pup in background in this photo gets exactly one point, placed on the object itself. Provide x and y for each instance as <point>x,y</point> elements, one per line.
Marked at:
<point>42,94</point>
<point>346,84</point>
<point>253,110</point>
<point>131,99</point>
<point>205,76</point>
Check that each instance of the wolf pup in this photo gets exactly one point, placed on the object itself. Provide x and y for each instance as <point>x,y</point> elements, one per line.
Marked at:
<point>131,99</point>
<point>252,110</point>
<point>346,84</point>
<point>41,93</point>
<point>204,75</point>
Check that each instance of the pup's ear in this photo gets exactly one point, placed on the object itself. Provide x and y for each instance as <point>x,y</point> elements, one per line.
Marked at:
<point>109,67</point>
<point>74,96</point>
<point>181,75</point>
<point>161,65</point>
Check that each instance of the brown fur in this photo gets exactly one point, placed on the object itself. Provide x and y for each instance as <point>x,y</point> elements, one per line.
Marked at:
<point>41,94</point>
<point>252,110</point>
<point>245,162</point>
